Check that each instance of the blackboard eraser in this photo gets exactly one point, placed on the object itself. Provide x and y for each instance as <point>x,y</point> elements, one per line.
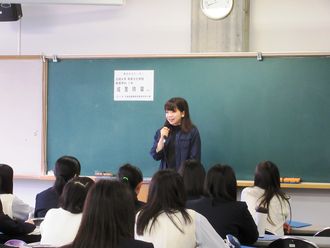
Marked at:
<point>103,173</point>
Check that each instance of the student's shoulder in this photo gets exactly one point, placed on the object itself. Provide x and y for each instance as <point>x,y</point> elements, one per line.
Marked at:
<point>143,244</point>
<point>51,214</point>
<point>6,197</point>
<point>241,205</point>
<point>252,191</point>
<point>50,192</point>
<point>46,191</point>
<point>197,202</point>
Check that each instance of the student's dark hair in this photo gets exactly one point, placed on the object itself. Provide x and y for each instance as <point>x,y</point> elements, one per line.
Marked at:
<point>66,167</point>
<point>178,103</point>
<point>220,182</point>
<point>166,195</point>
<point>267,177</point>
<point>6,179</point>
<point>130,175</point>
<point>74,194</point>
<point>108,216</point>
<point>193,174</point>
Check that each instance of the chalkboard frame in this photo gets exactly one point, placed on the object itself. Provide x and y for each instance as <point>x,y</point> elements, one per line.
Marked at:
<point>228,55</point>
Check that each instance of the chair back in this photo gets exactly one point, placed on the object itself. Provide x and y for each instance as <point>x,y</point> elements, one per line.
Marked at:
<point>325,232</point>
<point>290,242</point>
<point>232,241</point>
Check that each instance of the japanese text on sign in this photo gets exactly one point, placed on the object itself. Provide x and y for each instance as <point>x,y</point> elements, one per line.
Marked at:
<point>135,85</point>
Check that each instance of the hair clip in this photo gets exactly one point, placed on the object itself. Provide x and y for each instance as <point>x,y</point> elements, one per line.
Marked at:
<point>125,179</point>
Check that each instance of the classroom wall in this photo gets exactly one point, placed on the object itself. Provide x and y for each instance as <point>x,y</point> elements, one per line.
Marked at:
<point>158,27</point>
<point>162,27</point>
<point>284,26</point>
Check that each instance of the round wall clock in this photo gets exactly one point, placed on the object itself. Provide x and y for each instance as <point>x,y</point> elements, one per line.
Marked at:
<point>216,9</point>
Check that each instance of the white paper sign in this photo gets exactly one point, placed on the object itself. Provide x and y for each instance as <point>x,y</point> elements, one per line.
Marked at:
<point>135,85</point>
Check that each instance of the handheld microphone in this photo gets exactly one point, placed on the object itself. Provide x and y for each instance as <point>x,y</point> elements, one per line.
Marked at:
<point>165,137</point>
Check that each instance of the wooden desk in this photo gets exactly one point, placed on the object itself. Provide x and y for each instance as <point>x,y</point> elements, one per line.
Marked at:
<point>143,195</point>
<point>321,242</point>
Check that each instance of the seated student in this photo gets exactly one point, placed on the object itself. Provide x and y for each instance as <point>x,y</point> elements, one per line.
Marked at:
<point>166,222</point>
<point>60,225</point>
<point>132,176</point>
<point>220,207</point>
<point>267,193</point>
<point>14,207</point>
<point>12,229</point>
<point>66,167</point>
<point>193,174</point>
<point>108,218</point>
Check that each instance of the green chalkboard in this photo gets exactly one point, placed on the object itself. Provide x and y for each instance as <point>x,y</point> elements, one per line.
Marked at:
<point>246,110</point>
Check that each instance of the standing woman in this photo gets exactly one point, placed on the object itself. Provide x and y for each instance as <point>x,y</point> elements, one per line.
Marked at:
<point>178,140</point>
<point>267,193</point>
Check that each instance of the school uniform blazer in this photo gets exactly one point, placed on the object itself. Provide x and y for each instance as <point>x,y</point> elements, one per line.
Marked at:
<point>132,243</point>
<point>187,146</point>
<point>13,227</point>
<point>46,200</point>
<point>227,217</point>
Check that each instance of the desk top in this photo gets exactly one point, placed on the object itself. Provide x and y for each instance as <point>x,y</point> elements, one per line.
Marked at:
<point>321,242</point>
<point>307,230</point>
<point>303,185</point>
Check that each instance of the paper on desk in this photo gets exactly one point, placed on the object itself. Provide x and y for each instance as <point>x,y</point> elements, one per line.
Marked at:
<point>298,224</point>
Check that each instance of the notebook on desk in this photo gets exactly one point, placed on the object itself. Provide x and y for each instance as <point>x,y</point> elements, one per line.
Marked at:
<point>298,224</point>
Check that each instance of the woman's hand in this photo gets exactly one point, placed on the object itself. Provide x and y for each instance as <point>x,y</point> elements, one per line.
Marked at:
<point>164,132</point>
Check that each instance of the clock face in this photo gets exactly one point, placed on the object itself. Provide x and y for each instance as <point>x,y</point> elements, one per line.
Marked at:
<point>216,9</point>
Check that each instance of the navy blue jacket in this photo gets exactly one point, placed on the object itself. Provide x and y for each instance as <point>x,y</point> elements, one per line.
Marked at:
<point>46,200</point>
<point>187,146</point>
<point>227,217</point>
